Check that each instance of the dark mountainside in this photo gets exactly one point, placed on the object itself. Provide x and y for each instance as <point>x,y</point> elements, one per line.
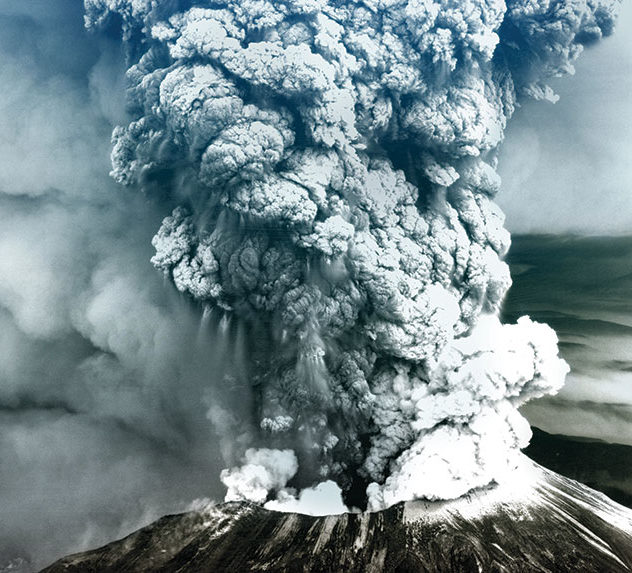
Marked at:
<point>544,523</point>
<point>601,466</point>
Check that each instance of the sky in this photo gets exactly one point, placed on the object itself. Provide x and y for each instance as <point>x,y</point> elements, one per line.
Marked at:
<point>581,287</point>
<point>566,167</point>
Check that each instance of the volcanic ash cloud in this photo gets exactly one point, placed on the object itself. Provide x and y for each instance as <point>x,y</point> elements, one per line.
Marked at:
<point>330,167</point>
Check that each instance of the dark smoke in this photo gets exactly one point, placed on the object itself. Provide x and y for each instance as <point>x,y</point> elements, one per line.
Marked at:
<point>366,295</point>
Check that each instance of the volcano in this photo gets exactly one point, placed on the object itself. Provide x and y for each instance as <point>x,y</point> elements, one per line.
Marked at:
<point>539,522</point>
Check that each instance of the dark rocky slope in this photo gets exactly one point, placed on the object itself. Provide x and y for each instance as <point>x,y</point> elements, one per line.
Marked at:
<point>540,522</point>
<point>600,465</point>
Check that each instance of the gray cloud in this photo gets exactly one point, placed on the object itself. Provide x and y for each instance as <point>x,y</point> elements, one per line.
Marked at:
<point>565,167</point>
<point>608,422</point>
<point>104,393</point>
<point>277,129</point>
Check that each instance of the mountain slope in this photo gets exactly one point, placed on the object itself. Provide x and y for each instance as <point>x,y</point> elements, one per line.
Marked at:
<point>541,522</point>
<point>600,465</point>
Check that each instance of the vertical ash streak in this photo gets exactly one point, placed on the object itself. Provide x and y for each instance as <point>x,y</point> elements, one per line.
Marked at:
<point>331,169</point>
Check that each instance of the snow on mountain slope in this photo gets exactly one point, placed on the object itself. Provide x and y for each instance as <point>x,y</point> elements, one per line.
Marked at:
<point>539,522</point>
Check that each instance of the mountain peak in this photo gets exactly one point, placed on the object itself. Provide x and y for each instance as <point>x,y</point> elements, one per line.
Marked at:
<point>540,522</point>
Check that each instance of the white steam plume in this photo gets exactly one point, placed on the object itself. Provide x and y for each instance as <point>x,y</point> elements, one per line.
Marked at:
<point>331,168</point>
<point>263,470</point>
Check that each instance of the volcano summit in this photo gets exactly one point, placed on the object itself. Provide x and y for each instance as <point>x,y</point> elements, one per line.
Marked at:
<point>546,524</point>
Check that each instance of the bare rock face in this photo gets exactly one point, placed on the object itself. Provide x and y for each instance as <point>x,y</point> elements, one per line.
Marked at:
<point>542,522</point>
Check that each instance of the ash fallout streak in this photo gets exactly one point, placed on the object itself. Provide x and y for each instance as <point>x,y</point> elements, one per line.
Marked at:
<point>330,167</point>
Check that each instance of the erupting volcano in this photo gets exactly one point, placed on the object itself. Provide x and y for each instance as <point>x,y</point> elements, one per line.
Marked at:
<point>320,177</point>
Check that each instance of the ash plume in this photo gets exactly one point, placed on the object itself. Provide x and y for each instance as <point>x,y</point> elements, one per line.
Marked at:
<point>324,174</point>
<point>331,170</point>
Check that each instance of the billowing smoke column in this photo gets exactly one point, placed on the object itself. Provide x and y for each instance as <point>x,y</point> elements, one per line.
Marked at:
<point>331,169</point>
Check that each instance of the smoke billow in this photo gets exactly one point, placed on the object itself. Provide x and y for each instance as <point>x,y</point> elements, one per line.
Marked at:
<point>332,171</point>
<point>104,370</point>
<point>325,177</point>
